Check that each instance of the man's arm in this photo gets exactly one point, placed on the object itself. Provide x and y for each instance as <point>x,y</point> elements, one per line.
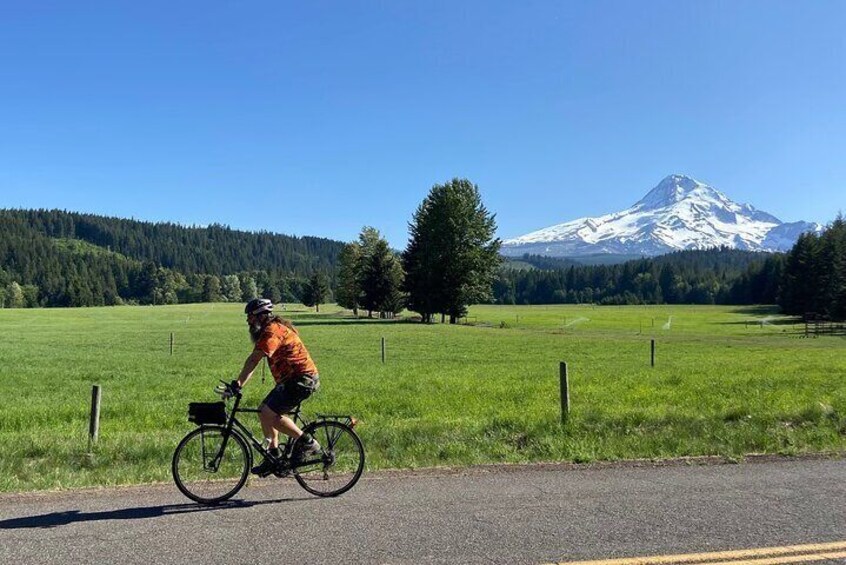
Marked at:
<point>249,366</point>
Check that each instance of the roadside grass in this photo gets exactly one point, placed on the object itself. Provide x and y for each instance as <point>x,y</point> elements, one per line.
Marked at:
<point>448,395</point>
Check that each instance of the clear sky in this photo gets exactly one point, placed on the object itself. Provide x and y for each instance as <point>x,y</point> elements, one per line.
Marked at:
<point>316,118</point>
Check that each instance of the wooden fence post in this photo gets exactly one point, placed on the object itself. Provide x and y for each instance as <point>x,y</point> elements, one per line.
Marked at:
<point>94,422</point>
<point>171,343</point>
<point>653,352</point>
<point>383,350</point>
<point>565,391</point>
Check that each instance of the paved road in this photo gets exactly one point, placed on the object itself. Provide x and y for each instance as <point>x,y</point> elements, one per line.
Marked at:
<point>483,515</point>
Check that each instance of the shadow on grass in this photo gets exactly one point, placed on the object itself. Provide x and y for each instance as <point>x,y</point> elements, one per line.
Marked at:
<point>351,321</point>
<point>55,519</point>
<point>757,310</point>
<point>758,322</point>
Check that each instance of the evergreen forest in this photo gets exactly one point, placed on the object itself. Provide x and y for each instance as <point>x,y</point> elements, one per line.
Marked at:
<point>58,258</point>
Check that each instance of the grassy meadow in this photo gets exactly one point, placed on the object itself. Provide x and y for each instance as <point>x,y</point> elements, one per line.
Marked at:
<point>728,381</point>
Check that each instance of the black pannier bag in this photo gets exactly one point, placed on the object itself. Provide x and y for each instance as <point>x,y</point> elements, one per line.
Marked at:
<point>207,412</point>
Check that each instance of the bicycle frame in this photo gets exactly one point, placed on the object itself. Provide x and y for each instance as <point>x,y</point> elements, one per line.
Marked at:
<point>233,422</point>
<point>340,457</point>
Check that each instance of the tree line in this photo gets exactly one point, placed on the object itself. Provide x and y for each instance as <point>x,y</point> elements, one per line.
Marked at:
<point>54,258</point>
<point>214,250</point>
<point>58,258</point>
<point>814,279</point>
<point>714,276</point>
<point>810,278</point>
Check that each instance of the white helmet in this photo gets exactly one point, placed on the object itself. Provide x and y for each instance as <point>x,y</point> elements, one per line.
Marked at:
<point>258,306</point>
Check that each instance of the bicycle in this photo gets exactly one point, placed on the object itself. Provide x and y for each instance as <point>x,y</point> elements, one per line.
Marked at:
<point>212,462</point>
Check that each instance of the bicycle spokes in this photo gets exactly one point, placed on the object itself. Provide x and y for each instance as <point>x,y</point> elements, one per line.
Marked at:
<point>339,465</point>
<point>208,468</point>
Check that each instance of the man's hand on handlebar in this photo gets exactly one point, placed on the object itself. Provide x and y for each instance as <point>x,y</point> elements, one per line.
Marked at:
<point>228,390</point>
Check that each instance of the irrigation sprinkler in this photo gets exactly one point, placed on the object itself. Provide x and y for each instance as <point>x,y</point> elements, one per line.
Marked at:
<point>576,321</point>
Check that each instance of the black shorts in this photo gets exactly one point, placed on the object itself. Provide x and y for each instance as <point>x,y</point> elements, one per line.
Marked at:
<point>286,395</point>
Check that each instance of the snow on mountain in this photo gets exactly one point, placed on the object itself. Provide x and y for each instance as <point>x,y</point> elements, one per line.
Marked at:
<point>679,213</point>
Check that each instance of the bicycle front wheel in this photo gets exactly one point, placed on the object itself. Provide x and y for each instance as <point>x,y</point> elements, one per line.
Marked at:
<point>339,465</point>
<point>206,470</point>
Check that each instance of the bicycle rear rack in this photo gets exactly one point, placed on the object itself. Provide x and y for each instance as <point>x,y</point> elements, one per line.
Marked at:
<point>342,418</point>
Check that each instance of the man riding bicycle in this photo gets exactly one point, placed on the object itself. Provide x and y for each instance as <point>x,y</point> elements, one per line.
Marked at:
<point>294,372</point>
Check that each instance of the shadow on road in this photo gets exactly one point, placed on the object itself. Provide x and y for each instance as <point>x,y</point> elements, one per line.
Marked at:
<point>54,519</point>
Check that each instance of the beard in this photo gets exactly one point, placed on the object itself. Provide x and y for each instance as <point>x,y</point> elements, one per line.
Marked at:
<point>255,331</point>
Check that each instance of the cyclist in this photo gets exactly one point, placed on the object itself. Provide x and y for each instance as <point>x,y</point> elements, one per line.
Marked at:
<point>293,370</point>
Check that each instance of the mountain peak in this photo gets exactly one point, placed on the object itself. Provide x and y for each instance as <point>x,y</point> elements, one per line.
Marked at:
<point>679,213</point>
<point>670,190</point>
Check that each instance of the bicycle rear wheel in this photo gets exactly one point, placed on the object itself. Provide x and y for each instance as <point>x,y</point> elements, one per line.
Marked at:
<point>207,473</point>
<point>339,465</point>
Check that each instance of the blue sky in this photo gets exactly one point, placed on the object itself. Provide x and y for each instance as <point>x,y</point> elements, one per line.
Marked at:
<point>316,118</point>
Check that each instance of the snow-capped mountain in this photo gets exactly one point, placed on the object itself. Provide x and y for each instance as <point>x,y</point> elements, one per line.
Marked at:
<point>679,213</point>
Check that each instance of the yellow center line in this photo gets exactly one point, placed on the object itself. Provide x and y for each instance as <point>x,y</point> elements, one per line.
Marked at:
<point>805,558</point>
<point>809,552</point>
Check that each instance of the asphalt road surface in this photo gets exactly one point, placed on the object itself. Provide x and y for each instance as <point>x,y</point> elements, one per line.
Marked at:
<point>790,511</point>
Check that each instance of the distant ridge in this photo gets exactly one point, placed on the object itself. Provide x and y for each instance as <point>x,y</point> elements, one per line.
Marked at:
<point>59,258</point>
<point>679,213</point>
<point>215,249</point>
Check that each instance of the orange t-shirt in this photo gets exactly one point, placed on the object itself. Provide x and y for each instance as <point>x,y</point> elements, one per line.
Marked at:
<point>286,354</point>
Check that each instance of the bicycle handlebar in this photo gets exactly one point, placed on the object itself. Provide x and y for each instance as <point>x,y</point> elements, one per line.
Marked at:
<point>226,391</point>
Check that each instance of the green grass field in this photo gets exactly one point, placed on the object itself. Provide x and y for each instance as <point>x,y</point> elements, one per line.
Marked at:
<point>728,381</point>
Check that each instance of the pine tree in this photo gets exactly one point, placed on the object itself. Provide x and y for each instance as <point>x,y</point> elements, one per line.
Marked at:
<point>315,291</point>
<point>800,276</point>
<point>147,283</point>
<point>381,280</point>
<point>348,294</point>
<point>830,290</point>
<point>452,256</point>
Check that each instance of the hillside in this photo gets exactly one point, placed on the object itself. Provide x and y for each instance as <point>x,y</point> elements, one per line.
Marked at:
<point>60,258</point>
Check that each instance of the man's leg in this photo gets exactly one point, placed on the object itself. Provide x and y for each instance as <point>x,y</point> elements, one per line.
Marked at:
<point>267,417</point>
<point>273,423</point>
